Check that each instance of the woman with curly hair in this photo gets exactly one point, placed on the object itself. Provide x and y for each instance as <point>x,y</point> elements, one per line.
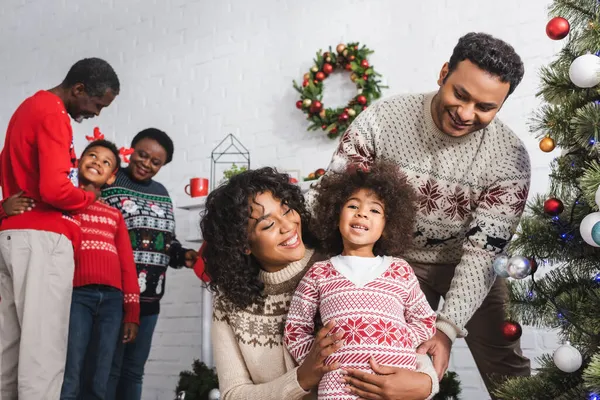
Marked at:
<point>255,228</point>
<point>364,218</point>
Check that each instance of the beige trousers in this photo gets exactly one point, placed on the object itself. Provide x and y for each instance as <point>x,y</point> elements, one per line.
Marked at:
<point>36,283</point>
<point>496,358</point>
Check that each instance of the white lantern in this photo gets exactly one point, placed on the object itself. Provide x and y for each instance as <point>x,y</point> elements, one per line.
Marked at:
<point>587,227</point>
<point>567,358</point>
<point>585,71</point>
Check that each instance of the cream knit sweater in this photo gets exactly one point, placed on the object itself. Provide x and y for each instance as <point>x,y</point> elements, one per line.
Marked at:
<point>472,191</point>
<point>251,361</point>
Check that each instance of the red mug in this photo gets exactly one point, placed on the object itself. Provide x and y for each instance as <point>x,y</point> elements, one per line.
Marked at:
<point>197,187</point>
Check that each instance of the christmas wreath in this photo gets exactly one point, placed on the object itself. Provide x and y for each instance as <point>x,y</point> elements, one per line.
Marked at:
<point>349,57</point>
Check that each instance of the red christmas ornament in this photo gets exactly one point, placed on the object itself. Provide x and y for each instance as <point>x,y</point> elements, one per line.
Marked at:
<point>305,84</point>
<point>320,76</point>
<point>511,330</point>
<point>365,77</point>
<point>315,107</point>
<point>316,82</point>
<point>333,131</point>
<point>553,206</point>
<point>361,100</point>
<point>364,64</point>
<point>348,67</point>
<point>352,58</point>
<point>327,68</point>
<point>557,28</point>
<point>343,117</point>
<point>299,104</point>
<point>323,127</point>
<point>534,265</point>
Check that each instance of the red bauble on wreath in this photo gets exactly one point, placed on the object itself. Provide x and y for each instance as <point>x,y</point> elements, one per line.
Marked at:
<point>346,57</point>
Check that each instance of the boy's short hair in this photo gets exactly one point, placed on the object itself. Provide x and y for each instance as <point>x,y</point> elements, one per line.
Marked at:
<point>386,181</point>
<point>108,145</point>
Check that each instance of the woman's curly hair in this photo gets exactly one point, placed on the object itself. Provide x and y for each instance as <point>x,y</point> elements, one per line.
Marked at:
<point>233,274</point>
<point>389,184</point>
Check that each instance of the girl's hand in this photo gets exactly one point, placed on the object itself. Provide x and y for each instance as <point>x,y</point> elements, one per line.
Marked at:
<point>15,204</point>
<point>313,368</point>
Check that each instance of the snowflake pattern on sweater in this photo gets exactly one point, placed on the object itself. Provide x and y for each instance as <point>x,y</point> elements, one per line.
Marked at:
<point>472,191</point>
<point>387,318</point>
<point>105,256</point>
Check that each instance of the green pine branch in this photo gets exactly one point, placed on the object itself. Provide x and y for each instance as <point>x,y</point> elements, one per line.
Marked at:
<point>591,374</point>
<point>589,182</point>
<point>549,383</point>
<point>578,12</point>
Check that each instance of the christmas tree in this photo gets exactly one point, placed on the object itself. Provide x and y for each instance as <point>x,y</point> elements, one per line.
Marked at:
<point>561,230</point>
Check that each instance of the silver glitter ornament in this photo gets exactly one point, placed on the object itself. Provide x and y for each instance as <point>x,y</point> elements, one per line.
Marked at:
<point>500,265</point>
<point>519,267</point>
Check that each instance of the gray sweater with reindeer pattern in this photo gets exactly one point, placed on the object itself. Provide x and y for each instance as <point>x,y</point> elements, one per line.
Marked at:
<point>472,191</point>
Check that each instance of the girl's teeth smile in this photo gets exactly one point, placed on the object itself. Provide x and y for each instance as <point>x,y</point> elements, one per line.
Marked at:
<point>359,227</point>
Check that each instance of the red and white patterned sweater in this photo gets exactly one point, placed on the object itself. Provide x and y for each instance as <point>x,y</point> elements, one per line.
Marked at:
<point>105,256</point>
<point>387,318</point>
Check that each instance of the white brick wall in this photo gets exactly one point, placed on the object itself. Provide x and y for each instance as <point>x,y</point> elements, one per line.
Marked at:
<point>202,69</point>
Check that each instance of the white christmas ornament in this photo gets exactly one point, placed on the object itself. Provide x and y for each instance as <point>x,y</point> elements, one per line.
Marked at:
<point>518,267</point>
<point>214,394</point>
<point>585,229</point>
<point>567,358</point>
<point>500,266</point>
<point>584,71</point>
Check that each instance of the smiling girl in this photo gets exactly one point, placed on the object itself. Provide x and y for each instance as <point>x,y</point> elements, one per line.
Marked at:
<point>373,297</point>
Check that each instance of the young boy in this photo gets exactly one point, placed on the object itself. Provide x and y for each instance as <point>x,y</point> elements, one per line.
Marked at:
<point>105,281</point>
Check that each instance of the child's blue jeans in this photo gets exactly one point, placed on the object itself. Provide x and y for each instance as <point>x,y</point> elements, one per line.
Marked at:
<point>94,327</point>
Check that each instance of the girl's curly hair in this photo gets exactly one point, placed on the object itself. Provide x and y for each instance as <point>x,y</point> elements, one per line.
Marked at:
<point>233,274</point>
<point>389,184</point>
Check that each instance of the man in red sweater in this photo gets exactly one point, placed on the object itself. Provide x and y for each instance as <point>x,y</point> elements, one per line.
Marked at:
<point>36,248</point>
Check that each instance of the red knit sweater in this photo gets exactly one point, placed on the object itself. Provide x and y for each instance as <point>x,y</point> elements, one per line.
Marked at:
<point>106,257</point>
<point>38,157</point>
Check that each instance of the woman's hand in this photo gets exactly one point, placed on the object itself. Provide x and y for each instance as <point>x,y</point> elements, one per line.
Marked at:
<point>313,368</point>
<point>389,384</point>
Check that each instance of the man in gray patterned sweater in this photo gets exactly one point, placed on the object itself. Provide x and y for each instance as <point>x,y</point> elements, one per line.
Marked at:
<point>472,175</point>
